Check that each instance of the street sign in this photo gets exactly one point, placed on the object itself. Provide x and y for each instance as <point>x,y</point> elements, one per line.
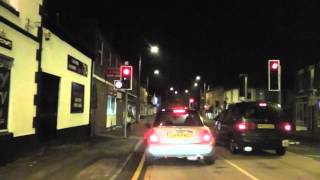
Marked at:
<point>113,72</point>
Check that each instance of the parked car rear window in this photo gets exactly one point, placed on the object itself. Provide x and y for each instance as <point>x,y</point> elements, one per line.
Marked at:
<point>171,119</point>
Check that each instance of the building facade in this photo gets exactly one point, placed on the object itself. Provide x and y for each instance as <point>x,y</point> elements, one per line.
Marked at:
<point>307,101</point>
<point>45,81</point>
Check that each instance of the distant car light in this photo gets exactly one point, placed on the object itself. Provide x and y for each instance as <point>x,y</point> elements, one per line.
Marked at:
<point>179,111</point>
<point>263,104</point>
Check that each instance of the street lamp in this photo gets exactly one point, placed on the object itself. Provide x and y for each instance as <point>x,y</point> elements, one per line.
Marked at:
<point>156,72</point>
<point>198,78</point>
<point>195,85</point>
<point>171,88</point>
<point>176,92</point>
<point>153,50</point>
<point>186,91</point>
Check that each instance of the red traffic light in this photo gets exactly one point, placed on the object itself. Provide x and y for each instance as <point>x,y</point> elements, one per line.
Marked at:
<point>274,64</point>
<point>191,100</point>
<point>126,71</point>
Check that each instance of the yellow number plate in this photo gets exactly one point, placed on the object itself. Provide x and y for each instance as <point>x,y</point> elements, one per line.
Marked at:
<point>266,126</point>
<point>180,135</point>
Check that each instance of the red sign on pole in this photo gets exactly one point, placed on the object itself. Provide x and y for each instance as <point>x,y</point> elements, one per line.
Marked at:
<point>113,72</point>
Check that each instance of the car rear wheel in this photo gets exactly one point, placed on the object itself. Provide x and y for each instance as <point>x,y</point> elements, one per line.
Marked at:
<point>209,160</point>
<point>281,151</point>
<point>233,147</point>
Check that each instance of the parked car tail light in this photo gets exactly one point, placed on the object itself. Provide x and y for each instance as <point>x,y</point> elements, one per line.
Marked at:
<point>206,137</point>
<point>285,126</point>
<point>244,126</point>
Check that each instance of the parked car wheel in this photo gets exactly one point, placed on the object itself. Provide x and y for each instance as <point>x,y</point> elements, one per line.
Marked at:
<point>281,151</point>
<point>233,147</point>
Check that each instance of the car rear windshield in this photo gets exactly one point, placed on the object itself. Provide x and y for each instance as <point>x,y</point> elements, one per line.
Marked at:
<point>172,119</point>
<point>270,112</point>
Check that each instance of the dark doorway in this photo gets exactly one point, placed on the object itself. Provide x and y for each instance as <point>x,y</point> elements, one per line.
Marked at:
<point>48,107</point>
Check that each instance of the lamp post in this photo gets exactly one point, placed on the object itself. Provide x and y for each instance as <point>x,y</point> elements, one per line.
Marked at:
<point>153,50</point>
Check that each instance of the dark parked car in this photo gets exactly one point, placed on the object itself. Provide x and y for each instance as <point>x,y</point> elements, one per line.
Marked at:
<point>249,126</point>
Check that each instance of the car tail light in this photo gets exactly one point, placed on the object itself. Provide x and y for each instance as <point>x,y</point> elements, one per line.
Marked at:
<point>285,126</point>
<point>152,137</point>
<point>244,126</point>
<point>179,111</point>
<point>206,137</point>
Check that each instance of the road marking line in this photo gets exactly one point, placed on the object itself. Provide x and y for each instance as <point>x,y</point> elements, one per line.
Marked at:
<point>241,170</point>
<point>139,169</point>
<point>115,176</point>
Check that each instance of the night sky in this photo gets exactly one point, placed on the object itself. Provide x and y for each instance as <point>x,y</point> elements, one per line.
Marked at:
<point>217,40</point>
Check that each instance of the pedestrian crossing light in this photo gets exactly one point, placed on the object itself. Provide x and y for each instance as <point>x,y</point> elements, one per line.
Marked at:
<point>126,74</point>
<point>274,75</point>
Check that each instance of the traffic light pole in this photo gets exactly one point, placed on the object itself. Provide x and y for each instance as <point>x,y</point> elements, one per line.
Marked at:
<point>125,114</point>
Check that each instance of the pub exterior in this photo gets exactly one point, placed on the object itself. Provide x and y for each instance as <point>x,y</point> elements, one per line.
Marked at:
<point>45,82</point>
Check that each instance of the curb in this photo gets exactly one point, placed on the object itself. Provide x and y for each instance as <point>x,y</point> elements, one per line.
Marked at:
<point>119,171</point>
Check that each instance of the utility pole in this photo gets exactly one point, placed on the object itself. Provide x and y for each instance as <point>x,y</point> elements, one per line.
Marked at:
<point>138,93</point>
<point>245,85</point>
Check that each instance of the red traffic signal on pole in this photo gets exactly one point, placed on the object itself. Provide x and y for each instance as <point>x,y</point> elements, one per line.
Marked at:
<point>274,75</point>
<point>191,100</point>
<point>126,75</point>
<point>125,71</point>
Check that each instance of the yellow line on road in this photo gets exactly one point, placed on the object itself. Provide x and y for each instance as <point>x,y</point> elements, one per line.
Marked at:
<point>242,170</point>
<point>139,169</point>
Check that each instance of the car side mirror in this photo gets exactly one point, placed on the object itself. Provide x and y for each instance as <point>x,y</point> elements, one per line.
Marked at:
<point>148,126</point>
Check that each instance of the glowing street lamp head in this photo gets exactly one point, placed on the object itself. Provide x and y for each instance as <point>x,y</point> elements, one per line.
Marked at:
<point>195,84</point>
<point>186,91</point>
<point>156,72</point>
<point>171,89</point>
<point>175,92</point>
<point>154,49</point>
<point>198,78</point>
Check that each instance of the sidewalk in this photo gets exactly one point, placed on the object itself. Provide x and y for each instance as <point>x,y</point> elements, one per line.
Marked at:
<point>80,158</point>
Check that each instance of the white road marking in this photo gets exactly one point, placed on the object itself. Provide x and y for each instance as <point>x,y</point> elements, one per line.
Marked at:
<point>242,170</point>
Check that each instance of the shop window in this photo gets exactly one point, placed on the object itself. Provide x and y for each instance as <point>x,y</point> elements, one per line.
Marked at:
<point>77,98</point>
<point>111,105</point>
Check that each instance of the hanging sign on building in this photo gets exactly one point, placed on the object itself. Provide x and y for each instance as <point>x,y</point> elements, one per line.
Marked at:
<point>77,66</point>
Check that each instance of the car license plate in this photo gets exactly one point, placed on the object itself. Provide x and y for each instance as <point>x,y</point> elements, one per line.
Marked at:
<point>285,143</point>
<point>180,135</point>
<point>265,126</point>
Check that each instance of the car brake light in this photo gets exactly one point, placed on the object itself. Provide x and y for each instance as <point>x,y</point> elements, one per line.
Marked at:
<point>243,126</point>
<point>206,137</point>
<point>179,111</point>
<point>263,104</point>
<point>152,137</point>
<point>285,126</point>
